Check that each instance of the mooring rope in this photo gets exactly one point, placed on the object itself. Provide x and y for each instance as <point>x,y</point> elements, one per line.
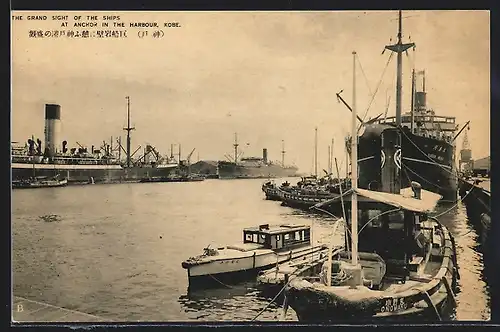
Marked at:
<point>454,205</point>
<point>220,282</point>
<point>275,297</point>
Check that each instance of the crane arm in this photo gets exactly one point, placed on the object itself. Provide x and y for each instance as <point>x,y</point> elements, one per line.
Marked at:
<point>190,154</point>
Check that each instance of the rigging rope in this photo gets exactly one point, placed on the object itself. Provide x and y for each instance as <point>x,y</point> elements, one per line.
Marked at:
<point>378,86</point>
<point>378,215</point>
<point>274,298</point>
<point>363,72</point>
<point>421,177</point>
<point>433,161</point>
<point>411,61</point>
<point>337,219</point>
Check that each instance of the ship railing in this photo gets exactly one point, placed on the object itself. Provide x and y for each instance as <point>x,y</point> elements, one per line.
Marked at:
<point>83,161</point>
<point>26,158</point>
<point>421,118</point>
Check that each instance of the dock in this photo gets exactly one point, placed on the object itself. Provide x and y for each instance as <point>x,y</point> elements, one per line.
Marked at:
<point>476,194</point>
<point>480,196</point>
<point>29,311</point>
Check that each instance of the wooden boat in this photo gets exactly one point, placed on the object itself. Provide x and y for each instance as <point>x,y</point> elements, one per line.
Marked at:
<point>263,247</point>
<point>303,199</point>
<point>406,266</point>
<point>39,182</point>
<point>310,191</point>
<point>195,177</point>
<point>400,264</point>
<point>272,280</point>
<point>270,189</point>
<point>174,178</point>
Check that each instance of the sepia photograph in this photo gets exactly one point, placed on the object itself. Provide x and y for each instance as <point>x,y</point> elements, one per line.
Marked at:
<point>324,167</point>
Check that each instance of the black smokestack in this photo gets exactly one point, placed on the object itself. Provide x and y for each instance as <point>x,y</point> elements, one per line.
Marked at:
<point>264,155</point>
<point>52,128</point>
<point>52,112</point>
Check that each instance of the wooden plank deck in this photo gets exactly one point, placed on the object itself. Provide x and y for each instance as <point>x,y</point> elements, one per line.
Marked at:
<point>29,311</point>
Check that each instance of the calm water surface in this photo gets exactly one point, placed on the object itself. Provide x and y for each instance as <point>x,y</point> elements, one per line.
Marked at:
<point>116,250</point>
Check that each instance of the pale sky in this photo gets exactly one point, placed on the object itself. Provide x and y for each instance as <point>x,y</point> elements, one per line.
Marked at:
<point>269,76</point>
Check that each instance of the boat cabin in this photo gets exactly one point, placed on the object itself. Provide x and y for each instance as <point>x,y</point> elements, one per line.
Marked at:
<point>390,226</point>
<point>285,236</point>
<point>427,125</point>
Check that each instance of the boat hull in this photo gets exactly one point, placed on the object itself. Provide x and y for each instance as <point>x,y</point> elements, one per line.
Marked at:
<point>232,265</point>
<point>225,278</point>
<point>228,170</point>
<point>443,305</point>
<point>271,193</point>
<point>305,202</point>
<point>222,270</point>
<point>166,179</point>
<point>427,299</point>
<point>44,184</point>
<point>426,160</point>
<point>77,174</point>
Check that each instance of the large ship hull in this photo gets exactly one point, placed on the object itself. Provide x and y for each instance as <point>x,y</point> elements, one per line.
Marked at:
<point>76,174</point>
<point>233,171</point>
<point>426,160</point>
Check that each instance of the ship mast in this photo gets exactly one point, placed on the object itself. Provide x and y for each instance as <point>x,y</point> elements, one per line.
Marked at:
<point>331,158</point>
<point>316,152</point>
<point>354,170</point>
<point>283,153</point>
<point>128,129</point>
<point>235,147</point>
<point>399,48</point>
<point>412,125</point>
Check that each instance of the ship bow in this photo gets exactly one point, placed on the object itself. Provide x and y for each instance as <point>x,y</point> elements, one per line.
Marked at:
<point>314,302</point>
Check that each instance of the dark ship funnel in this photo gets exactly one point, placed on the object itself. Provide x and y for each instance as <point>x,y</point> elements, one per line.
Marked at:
<point>52,128</point>
<point>420,94</point>
<point>264,155</point>
<point>420,100</point>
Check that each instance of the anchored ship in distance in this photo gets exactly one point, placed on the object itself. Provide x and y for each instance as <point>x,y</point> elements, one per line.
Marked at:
<point>253,167</point>
<point>78,165</point>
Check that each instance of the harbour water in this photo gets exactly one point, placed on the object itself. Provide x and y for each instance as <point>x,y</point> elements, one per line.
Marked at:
<point>115,251</point>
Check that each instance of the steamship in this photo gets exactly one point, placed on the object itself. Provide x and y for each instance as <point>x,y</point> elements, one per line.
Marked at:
<point>78,165</point>
<point>427,139</point>
<point>253,167</point>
